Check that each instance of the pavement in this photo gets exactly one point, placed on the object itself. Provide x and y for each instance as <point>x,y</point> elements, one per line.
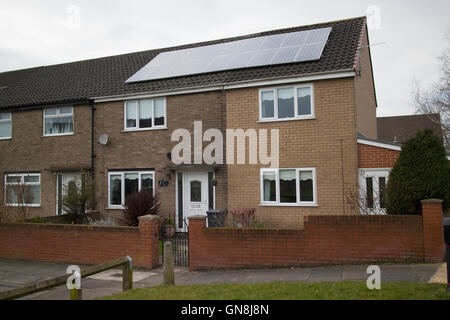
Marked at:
<point>14,274</point>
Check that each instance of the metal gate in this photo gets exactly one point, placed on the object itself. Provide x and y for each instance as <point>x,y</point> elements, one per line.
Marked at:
<point>180,246</point>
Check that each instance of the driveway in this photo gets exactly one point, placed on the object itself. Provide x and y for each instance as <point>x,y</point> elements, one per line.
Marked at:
<point>14,274</point>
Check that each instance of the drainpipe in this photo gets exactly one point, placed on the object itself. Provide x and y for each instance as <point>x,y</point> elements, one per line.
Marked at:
<point>91,103</point>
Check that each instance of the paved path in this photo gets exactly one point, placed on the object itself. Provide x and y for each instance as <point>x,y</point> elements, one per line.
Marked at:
<point>15,274</point>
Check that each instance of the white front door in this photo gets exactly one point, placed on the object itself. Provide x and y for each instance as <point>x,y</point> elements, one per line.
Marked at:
<point>373,184</point>
<point>63,181</point>
<point>195,195</point>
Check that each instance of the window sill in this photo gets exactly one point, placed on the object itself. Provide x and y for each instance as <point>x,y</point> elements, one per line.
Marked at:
<point>313,205</point>
<point>57,135</point>
<point>7,138</point>
<point>286,119</point>
<point>146,129</point>
<point>114,208</point>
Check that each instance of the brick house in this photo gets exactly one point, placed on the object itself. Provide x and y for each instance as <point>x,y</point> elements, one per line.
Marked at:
<point>51,119</point>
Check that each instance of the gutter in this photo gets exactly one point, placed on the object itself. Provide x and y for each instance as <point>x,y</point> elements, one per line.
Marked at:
<point>45,105</point>
<point>232,85</point>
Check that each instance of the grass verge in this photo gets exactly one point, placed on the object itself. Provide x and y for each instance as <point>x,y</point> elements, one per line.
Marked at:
<point>346,290</point>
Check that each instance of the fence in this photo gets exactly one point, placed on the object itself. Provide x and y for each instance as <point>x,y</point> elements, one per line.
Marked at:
<point>75,294</point>
<point>324,240</point>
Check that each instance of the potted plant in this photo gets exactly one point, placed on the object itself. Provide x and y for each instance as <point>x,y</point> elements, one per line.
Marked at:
<point>169,227</point>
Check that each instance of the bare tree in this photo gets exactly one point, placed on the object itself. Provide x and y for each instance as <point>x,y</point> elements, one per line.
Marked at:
<point>20,196</point>
<point>436,99</point>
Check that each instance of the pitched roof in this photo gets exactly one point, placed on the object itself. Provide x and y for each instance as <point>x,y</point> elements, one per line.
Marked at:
<point>401,128</point>
<point>106,76</point>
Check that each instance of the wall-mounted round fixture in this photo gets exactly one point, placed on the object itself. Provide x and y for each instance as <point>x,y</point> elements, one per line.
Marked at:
<point>103,139</point>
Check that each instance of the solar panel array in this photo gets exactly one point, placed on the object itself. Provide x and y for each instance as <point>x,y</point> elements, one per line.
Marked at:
<point>260,51</point>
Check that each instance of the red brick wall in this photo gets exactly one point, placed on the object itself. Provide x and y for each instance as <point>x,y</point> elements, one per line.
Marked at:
<point>81,244</point>
<point>376,157</point>
<point>325,240</point>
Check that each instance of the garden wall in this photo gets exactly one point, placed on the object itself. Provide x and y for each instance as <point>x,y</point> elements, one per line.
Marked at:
<point>324,240</point>
<point>81,244</point>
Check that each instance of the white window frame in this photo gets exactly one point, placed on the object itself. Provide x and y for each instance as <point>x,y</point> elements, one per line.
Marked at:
<point>58,115</point>
<point>137,128</point>
<point>5,121</point>
<point>22,181</point>
<point>374,173</point>
<point>277,185</point>
<point>122,191</point>
<point>275,101</point>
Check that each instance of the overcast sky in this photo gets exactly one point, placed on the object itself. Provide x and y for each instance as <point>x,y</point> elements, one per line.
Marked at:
<point>35,33</point>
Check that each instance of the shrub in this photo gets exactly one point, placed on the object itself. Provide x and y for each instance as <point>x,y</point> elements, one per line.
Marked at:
<point>79,196</point>
<point>139,204</point>
<point>422,171</point>
<point>243,217</point>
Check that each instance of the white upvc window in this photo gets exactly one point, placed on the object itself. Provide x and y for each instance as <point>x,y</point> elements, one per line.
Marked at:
<point>123,183</point>
<point>145,114</point>
<point>23,189</point>
<point>5,125</point>
<point>286,103</point>
<point>288,187</point>
<point>372,189</point>
<point>58,121</point>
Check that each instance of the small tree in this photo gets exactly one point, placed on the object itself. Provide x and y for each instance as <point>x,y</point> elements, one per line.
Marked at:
<point>139,204</point>
<point>79,196</point>
<point>19,196</point>
<point>422,171</point>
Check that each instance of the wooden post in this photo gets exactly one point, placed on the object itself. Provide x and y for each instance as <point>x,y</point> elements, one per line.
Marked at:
<point>169,276</point>
<point>76,294</point>
<point>127,275</point>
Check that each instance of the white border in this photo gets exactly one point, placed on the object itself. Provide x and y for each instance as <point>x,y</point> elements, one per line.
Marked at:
<point>379,144</point>
<point>236,85</point>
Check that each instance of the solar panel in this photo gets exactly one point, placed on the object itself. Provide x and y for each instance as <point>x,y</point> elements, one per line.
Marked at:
<point>290,47</point>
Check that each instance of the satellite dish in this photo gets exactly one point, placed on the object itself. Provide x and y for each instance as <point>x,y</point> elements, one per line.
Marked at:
<point>103,140</point>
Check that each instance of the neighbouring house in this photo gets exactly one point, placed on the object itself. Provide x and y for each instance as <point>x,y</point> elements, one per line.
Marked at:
<point>399,129</point>
<point>313,83</point>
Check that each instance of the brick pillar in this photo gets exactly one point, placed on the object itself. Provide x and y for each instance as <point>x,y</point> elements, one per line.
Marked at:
<point>433,237</point>
<point>149,229</point>
<point>196,226</point>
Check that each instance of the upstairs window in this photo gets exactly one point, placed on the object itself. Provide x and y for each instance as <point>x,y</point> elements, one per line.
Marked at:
<point>145,114</point>
<point>5,126</point>
<point>58,121</point>
<point>287,103</point>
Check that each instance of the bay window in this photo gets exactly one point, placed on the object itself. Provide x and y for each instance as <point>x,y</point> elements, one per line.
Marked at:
<point>289,187</point>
